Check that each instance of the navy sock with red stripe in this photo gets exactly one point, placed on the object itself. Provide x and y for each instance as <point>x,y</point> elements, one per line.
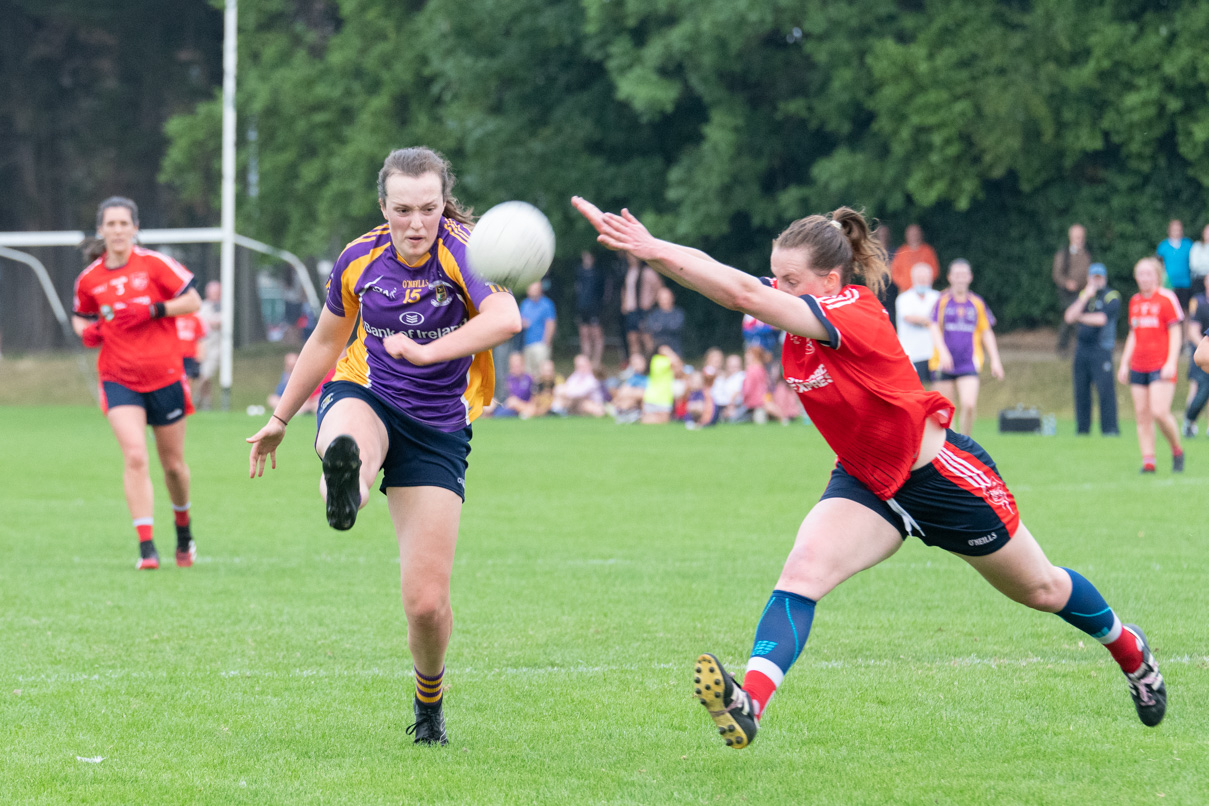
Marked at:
<point>1087,611</point>
<point>780,637</point>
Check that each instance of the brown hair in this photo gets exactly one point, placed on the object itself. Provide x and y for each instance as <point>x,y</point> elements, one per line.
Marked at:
<point>420,160</point>
<point>117,201</point>
<point>841,239</point>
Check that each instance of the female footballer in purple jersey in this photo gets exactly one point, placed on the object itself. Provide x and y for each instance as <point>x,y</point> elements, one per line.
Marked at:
<point>402,400</point>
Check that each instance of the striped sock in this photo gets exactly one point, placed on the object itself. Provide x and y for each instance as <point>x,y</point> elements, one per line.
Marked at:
<point>780,637</point>
<point>428,689</point>
<point>143,527</point>
<point>1086,610</point>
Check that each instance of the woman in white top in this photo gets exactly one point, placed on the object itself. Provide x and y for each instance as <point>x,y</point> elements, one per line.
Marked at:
<point>1198,261</point>
<point>914,313</point>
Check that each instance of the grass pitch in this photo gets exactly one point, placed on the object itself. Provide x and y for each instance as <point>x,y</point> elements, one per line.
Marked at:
<point>595,562</point>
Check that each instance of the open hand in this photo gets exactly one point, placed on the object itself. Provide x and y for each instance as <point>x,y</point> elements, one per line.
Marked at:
<point>264,445</point>
<point>621,233</point>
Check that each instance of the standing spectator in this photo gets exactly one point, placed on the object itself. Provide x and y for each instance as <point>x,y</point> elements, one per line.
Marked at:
<point>1148,362</point>
<point>1095,312</point>
<point>537,314</point>
<point>755,394</point>
<point>638,290</point>
<point>124,303</point>
<point>211,316</point>
<point>1198,328</point>
<point>665,322</point>
<point>1070,274</point>
<point>1198,262</point>
<point>191,330</point>
<point>914,310</point>
<point>961,330</point>
<point>1176,253</point>
<point>589,305</point>
<point>912,252</point>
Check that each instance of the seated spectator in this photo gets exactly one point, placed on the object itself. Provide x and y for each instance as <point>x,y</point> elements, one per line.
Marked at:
<point>660,395</point>
<point>699,408</point>
<point>785,401</point>
<point>728,389</point>
<point>629,391</point>
<point>581,393</point>
<point>544,385</point>
<point>754,396</point>
<point>519,402</point>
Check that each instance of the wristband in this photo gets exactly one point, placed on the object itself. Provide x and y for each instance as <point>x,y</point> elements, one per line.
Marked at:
<point>158,310</point>
<point>283,422</point>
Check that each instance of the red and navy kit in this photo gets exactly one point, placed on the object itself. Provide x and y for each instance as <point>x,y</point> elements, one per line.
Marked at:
<point>1151,319</point>
<point>146,357</point>
<point>864,395</point>
<point>860,389</point>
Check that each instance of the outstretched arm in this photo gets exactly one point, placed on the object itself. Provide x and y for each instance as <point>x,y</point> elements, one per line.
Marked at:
<point>694,269</point>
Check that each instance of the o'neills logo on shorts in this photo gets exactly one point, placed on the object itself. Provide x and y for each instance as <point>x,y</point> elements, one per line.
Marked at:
<point>817,380</point>
<point>982,541</point>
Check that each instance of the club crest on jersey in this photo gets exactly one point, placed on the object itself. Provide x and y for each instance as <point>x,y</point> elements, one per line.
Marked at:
<point>411,318</point>
<point>139,281</point>
<point>440,293</point>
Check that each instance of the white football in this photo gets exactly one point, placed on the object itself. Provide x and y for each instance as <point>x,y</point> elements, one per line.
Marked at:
<point>511,245</point>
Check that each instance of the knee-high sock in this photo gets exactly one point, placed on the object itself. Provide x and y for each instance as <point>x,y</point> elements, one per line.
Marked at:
<point>1086,610</point>
<point>780,637</point>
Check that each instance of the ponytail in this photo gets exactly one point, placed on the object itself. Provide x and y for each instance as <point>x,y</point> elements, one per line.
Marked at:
<point>840,240</point>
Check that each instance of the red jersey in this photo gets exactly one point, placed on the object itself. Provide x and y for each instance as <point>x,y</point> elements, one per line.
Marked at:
<point>860,389</point>
<point>1150,319</point>
<point>143,358</point>
<point>190,329</point>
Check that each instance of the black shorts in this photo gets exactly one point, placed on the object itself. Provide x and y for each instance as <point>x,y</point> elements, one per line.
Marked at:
<point>164,406</point>
<point>958,502</point>
<point>632,322</point>
<point>941,375</point>
<point>922,370</point>
<point>192,368</point>
<point>418,455</point>
<point>1145,378</point>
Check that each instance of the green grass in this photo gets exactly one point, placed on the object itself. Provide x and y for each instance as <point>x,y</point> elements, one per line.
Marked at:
<point>595,562</point>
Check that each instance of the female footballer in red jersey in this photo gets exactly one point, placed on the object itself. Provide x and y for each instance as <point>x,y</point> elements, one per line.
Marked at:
<point>900,471</point>
<point>402,400</point>
<point>124,303</point>
<point>1148,362</point>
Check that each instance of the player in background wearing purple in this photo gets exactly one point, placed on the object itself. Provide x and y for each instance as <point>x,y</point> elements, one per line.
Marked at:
<point>402,399</point>
<point>961,329</point>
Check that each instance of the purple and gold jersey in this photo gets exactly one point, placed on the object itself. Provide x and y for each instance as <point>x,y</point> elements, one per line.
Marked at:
<point>423,302</point>
<point>963,325</point>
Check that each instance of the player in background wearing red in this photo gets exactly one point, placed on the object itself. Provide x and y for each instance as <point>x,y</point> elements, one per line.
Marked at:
<point>900,471</point>
<point>191,330</point>
<point>1148,362</point>
<point>125,303</point>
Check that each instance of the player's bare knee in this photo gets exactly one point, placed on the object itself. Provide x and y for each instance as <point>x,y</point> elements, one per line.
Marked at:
<point>426,610</point>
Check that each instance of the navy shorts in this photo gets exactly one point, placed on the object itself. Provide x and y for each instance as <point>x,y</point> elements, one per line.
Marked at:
<point>941,375</point>
<point>163,406</point>
<point>418,455</point>
<point>1145,378</point>
<point>192,368</point>
<point>632,322</point>
<point>958,502</point>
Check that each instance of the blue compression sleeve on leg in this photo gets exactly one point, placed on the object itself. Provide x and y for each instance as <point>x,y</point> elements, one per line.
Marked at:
<point>1086,609</point>
<point>781,633</point>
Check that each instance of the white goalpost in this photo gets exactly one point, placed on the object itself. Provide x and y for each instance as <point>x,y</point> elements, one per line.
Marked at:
<point>12,242</point>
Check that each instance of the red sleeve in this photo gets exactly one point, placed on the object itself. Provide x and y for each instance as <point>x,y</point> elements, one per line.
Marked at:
<point>82,302</point>
<point>169,276</point>
<point>1172,312</point>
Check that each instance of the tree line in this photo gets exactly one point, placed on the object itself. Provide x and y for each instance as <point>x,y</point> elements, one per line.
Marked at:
<point>992,124</point>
